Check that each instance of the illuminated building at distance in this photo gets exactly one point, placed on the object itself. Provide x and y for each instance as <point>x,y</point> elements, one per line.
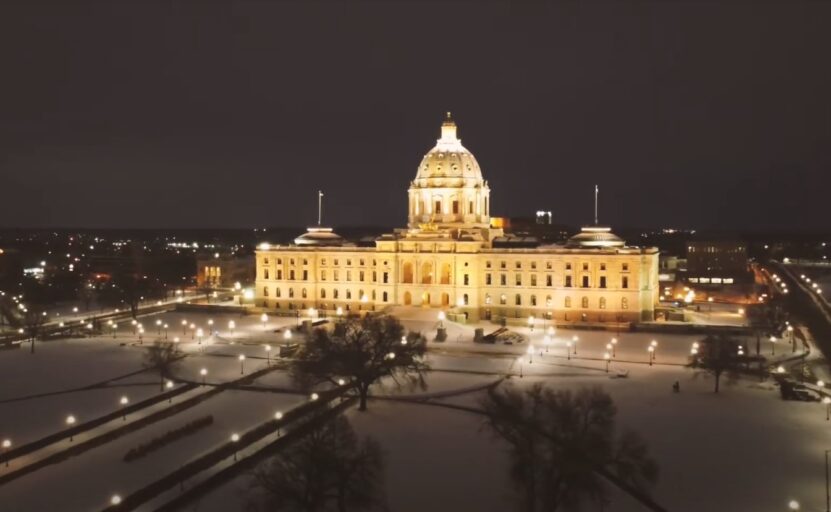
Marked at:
<point>446,258</point>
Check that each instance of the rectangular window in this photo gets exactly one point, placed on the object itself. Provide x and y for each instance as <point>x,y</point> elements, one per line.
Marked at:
<point>548,280</point>
<point>361,276</point>
<point>585,266</point>
<point>305,275</point>
<point>519,279</point>
<point>548,265</point>
<point>568,281</point>
<point>603,281</point>
<point>624,282</point>
<point>602,266</point>
<point>374,276</point>
<point>487,264</point>
<point>568,266</point>
<point>487,279</point>
<point>322,275</point>
<point>437,207</point>
<point>386,277</point>
<point>323,262</point>
<point>585,281</point>
<point>336,274</point>
<point>361,262</point>
<point>291,275</point>
<point>455,207</point>
<point>349,275</point>
<point>518,264</point>
<point>503,279</point>
<point>265,273</point>
<point>279,274</point>
<point>348,263</point>
<point>466,279</point>
<point>533,279</point>
<point>625,267</point>
<point>502,264</point>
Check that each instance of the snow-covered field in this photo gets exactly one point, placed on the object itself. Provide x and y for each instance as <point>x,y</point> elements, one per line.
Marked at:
<point>743,449</point>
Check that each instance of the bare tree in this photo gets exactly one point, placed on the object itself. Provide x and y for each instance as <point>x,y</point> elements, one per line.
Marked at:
<point>719,355</point>
<point>564,446</point>
<point>364,351</point>
<point>34,321</point>
<point>163,357</point>
<point>329,469</point>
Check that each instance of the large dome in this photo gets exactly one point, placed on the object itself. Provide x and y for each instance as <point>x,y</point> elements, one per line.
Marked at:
<point>595,236</point>
<point>448,163</point>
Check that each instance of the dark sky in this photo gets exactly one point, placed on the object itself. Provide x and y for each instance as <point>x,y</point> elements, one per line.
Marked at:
<point>140,114</point>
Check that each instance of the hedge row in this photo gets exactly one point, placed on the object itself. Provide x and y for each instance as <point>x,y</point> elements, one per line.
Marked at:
<point>168,437</point>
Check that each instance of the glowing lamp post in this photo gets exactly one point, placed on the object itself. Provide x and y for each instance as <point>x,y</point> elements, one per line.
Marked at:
<point>124,401</point>
<point>231,326</point>
<point>793,338</point>
<point>235,440</point>
<point>203,372</point>
<point>530,354</point>
<point>827,401</point>
<point>210,327</point>
<point>7,444</point>
<point>199,334</point>
<point>614,347</point>
<point>192,331</point>
<point>339,312</point>
<point>654,345</point>
<point>287,334</point>
<point>115,330</point>
<point>264,319</point>
<point>772,345</point>
<point>159,327</point>
<point>651,351</point>
<point>314,397</point>
<point>442,318</point>
<point>793,505</point>
<point>115,500</point>
<point>165,330</point>
<point>241,364</point>
<point>184,327</point>
<point>574,340</point>
<point>268,355</point>
<point>607,357</point>
<point>568,350</point>
<point>531,322</point>
<point>70,420</point>
<point>278,416</point>
<point>546,341</point>
<point>168,386</point>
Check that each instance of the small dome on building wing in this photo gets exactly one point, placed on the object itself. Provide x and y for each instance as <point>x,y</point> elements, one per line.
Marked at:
<point>318,236</point>
<point>595,236</point>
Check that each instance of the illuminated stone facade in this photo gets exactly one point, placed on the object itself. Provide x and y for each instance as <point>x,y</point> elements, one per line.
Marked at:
<point>446,258</point>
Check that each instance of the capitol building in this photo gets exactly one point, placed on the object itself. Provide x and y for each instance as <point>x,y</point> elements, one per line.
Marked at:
<point>446,258</point>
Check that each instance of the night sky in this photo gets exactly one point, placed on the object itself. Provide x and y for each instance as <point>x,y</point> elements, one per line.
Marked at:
<point>142,114</point>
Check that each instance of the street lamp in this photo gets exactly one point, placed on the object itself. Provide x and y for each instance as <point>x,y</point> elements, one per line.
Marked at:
<point>203,372</point>
<point>184,327</point>
<point>608,358</point>
<point>614,347</point>
<point>169,385</point>
<point>231,326</point>
<point>531,322</point>
<point>793,505</point>
<point>124,401</point>
<point>278,416</point>
<point>568,350</point>
<point>159,327</point>
<point>546,341</point>
<point>575,339</point>
<point>268,354</point>
<point>287,334</point>
<point>235,440</point>
<point>165,330</point>
<point>7,443</point>
<point>442,317</point>
<point>339,312</point>
<point>210,327</point>
<point>115,500</point>
<point>241,363</point>
<point>773,346</point>
<point>793,338</point>
<point>264,319</point>
<point>192,330</point>
<point>651,351</point>
<point>530,354</point>
<point>654,345</point>
<point>199,334</point>
<point>70,420</point>
<point>314,397</point>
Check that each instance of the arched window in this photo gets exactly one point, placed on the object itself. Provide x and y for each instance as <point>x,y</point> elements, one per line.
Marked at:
<point>265,291</point>
<point>407,272</point>
<point>518,299</point>
<point>445,273</point>
<point>465,299</point>
<point>602,302</point>
<point>426,273</point>
<point>533,300</point>
<point>584,302</point>
<point>322,293</point>
<point>567,302</point>
<point>503,299</point>
<point>277,292</point>
<point>384,296</point>
<point>624,303</point>
<point>265,273</point>
<point>291,293</point>
<point>348,294</point>
<point>303,293</point>
<point>335,293</point>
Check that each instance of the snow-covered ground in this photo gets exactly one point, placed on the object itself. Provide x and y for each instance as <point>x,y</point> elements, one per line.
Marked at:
<point>743,449</point>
